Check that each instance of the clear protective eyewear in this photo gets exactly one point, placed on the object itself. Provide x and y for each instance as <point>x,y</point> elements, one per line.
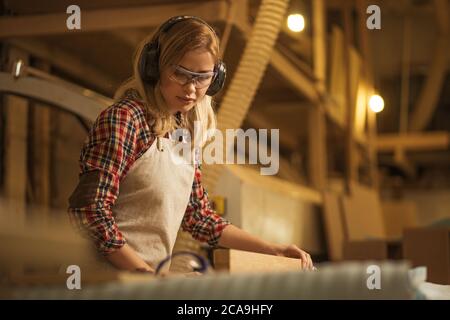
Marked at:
<point>183,76</point>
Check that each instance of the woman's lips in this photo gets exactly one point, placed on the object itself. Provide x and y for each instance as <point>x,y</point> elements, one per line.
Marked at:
<point>185,100</point>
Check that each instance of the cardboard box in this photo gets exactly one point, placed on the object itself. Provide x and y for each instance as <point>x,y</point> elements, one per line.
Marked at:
<point>429,247</point>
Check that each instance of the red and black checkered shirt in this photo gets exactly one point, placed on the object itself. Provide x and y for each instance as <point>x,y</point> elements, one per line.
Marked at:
<point>119,136</point>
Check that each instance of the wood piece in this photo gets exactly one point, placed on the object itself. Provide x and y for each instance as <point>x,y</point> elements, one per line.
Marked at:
<point>337,75</point>
<point>40,153</point>
<point>436,140</point>
<point>429,96</point>
<point>319,42</point>
<point>109,19</point>
<point>296,78</point>
<point>399,215</point>
<point>334,225</point>
<point>297,191</point>
<point>317,157</point>
<point>351,152</point>
<point>236,261</point>
<point>363,215</point>
<point>68,62</point>
<point>16,129</point>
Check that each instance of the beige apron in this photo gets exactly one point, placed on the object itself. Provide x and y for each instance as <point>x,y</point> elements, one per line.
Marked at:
<point>152,200</point>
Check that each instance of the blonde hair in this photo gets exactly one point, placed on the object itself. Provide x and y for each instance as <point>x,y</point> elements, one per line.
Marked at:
<point>184,36</point>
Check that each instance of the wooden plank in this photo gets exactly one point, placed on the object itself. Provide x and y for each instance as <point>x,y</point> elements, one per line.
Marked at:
<point>69,63</point>
<point>337,75</point>
<point>399,215</point>
<point>257,119</point>
<point>236,261</point>
<point>16,129</point>
<point>296,78</point>
<point>357,93</point>
<point>334,225</point>
<point>437,140</point>
<point>363,215</point>
<point>319,42</point>
<point>297,191</point>
<point>109,19</point>
<point>429,95</point>
<point>40,155</point>
<point>317,157</point>
<point>351,152</point>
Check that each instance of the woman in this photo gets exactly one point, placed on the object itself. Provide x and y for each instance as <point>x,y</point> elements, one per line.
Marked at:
<point>130,147</point>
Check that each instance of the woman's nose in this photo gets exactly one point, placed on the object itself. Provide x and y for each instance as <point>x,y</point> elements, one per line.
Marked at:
<point>190,87</point>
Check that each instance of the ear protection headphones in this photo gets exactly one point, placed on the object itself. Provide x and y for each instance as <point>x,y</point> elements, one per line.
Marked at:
<point>149,60</point>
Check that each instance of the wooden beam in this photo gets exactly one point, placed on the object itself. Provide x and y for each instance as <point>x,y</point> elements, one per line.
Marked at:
<point>337,108</point>
<point>16,132</point>
<point>351,152</point>
<point>258,120</point>
<point>429,95</point>
<point>297,79</point>
<point>69,63</point>
<point>367,71</point>
<point>319,42</point>
<point>413,141</point>
<point>430,92</point>
<point>404,163</point>
<point>40,153</point>
<point>275,184</point>
<point>317,157</point>
<point>72,99</point>
<point>109,19</point>
<point>131,37</point>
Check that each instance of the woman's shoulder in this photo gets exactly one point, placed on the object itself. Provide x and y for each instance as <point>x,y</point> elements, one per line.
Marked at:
<point>126,108</point>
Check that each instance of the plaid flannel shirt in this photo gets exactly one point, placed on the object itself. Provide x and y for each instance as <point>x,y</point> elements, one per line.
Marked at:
<point>119,136</point>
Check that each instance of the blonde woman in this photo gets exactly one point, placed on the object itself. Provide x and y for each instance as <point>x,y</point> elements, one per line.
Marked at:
<point>132,198</point>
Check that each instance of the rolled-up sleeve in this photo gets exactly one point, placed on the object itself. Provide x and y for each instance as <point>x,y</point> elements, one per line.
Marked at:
<point>105,158</point>
<point>200,220</point>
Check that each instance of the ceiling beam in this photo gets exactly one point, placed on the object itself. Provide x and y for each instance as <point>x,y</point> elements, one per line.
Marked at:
<point>109,19</point>
<point>257,120</point>
<point>429,96</point>
<point>68,62</point>
<point>438,140</point>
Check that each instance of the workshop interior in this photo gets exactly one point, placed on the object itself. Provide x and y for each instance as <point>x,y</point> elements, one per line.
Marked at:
<point>354,94</point>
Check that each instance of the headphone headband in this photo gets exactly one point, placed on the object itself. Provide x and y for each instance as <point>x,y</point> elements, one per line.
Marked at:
<point>149,60</point>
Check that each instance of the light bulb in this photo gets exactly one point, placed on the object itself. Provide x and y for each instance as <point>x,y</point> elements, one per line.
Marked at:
<point>376,103</point>
<point>296,22</point>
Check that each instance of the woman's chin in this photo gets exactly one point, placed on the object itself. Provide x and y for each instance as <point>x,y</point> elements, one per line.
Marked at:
<point>186,107</point>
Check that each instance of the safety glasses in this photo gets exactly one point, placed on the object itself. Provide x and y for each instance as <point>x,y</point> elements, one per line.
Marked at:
<point>183,76</point>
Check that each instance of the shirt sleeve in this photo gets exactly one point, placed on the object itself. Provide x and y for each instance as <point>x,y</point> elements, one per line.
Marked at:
<point>106,157</point>
<point>200,220</point>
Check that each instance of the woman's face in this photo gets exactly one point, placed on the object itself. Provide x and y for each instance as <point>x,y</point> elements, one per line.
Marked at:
<point>184,97</point>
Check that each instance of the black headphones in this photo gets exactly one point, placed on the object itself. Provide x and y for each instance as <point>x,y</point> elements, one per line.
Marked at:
<point>149,60</point>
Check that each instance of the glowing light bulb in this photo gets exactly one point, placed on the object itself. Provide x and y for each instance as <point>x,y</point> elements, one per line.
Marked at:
<point>376,103</point>
<point>296,22</point>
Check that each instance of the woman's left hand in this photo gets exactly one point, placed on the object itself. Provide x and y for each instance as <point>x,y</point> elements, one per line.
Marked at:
<point>292,251</point>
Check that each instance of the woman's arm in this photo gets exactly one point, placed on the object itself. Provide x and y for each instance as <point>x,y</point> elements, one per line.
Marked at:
<point>126,258</point>
<point>206,226</point>
<point>118,136</point>
<point>234,238</point>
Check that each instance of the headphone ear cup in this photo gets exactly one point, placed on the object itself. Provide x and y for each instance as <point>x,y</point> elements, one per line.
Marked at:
<point>219,79</point>
<point>149,64</point>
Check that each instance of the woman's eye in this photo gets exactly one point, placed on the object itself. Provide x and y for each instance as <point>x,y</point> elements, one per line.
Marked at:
<point>180,75</point>
<point>204,78</point>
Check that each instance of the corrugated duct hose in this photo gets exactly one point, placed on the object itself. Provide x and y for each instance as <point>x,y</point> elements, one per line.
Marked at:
<point>250,71</point>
